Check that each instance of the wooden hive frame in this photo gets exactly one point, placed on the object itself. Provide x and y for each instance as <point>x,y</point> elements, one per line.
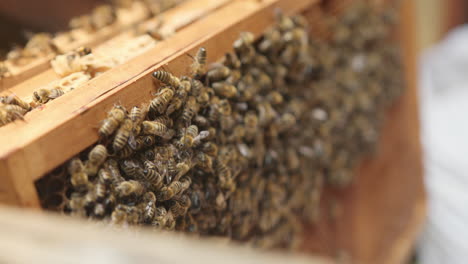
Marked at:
<point>381,212</point>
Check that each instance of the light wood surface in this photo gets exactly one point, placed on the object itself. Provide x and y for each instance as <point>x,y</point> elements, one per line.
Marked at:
<point>34,237</point>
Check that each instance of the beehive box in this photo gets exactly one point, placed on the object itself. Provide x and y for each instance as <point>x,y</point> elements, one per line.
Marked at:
<point>382,210</point>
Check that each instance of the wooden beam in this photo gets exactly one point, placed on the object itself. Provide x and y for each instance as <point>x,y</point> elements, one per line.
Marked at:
<point>67,125</point>
<point>34,237</point>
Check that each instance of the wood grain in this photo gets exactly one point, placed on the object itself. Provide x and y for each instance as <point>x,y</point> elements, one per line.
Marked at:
<point>383,211</point>
<point>67,125</point>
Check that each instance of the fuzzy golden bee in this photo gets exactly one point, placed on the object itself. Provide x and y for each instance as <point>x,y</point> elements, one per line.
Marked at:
<point>114,118</point>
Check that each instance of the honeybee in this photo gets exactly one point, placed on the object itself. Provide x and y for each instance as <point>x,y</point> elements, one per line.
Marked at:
<point>105,176</point>
<point>271,41</point>
<point>10,113</point>
<point>182,169</point>
<point>189,111</point>
<point>160,217</point>
<point>232,61</point>
<point>196,87</point>
<point>210,149</point>
<point>224,89</point>
<point>174,188</point>
<point>154,128</point>
<point>137,115</point>
<point>122,135</point>
<point>131,169</point>
<point>167,78</point>
<point>95,158</point>
<point>149,203</point>
<point>200,138</point>
<point>114,171</point>
<point>199,63</point>
<point>159,103</point>
<point>44,95</point>
<point>188,136</point>
<point>99,210</point>
<point>153,176</point>
<point>245,39</point>
<point>79,178</point>
<point>130,188</point>
<point>15,100</point>
<point>204,96</point>
<point>219,73</point>
<point>286,122</point>
<point>177,101</point>
<point>127,150</point>
<point>204,162</point>
<point>180,205</point>
<point>76,204</point>
<point>119,216</point>
<point>225,176</point>
<point>113,120</point>
<point>100,191</point>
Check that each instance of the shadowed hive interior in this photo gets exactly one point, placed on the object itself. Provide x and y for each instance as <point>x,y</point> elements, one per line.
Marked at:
<point>244,149</point>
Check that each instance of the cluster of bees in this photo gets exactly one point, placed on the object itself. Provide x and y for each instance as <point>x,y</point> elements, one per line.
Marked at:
<point>242,150</point>
<point>80,65</point>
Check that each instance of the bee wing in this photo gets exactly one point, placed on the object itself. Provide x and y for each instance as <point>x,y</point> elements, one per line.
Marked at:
<point>132,141</point>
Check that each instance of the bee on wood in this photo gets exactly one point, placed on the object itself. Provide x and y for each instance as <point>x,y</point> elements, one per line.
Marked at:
<point>44,95</point>
<point>79,178</point>
<point>224,89</point>
<point>167,78</point>
<point>95,158</point>
<point>114,118</point>
<point>10,113</point>
<point>122,135</point>
<point>130,188</point>
<point>15,100</point>
<point>219,73</point>
<point>162,99</point>
<point>189,111</point>
<point>149,203</point>
<point>174,188</point>
<point>199,63</point>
